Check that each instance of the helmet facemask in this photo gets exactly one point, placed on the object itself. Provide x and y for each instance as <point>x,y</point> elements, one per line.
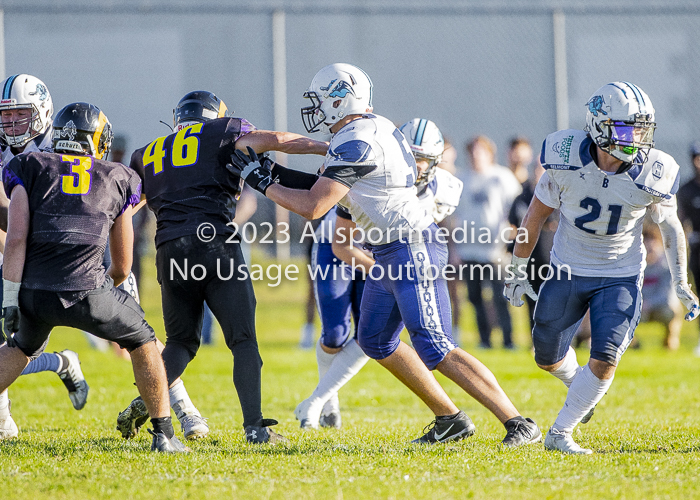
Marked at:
<point>428,175</point>
<point>8,126</point>
<point>624,140</point>
<point>312,116</point>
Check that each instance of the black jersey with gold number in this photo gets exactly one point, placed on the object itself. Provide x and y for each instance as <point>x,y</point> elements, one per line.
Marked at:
<point>185,179</point>
<point>73,202</point>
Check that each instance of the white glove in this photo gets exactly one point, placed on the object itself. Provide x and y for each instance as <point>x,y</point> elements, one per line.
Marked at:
<point>517,284</point>
<point>689,300</point>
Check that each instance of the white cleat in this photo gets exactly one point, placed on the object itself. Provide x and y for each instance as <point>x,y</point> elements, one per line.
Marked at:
<point>308,415</point>
<point>8,427</point>
<point>194,426</point>
<point>73,379</point>
<point>563,442</point>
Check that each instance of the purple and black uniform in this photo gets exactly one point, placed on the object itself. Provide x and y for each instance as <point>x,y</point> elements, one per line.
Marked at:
<point>187,185</point>
<point>73,202</point>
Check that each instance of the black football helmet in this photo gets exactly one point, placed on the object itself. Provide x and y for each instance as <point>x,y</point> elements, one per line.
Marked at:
<point>198,106</point>
<point>82,128</point>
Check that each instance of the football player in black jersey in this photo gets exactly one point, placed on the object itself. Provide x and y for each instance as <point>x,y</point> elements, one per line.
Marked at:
<point>198,257</point>
<point>63,206</point>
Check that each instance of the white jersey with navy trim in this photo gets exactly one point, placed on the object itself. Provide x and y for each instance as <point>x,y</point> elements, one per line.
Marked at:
<point>371,156</point>
<point>600,226</point>
<point>441,196</point>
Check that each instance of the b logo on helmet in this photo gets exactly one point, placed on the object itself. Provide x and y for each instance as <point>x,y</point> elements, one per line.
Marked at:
<point>595,105</point>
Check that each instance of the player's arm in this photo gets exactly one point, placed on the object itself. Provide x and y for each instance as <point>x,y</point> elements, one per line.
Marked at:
<point>310,204</point>
<point>4,207</point>
<point>666,216</point>
<point>537,214</point>
<point>15,255</point>
<point>346,249</point>
<point>517,283</point>
<point>284,142</point>
<point>121,246</point>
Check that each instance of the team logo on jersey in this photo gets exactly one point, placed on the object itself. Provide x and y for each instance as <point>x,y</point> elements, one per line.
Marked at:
<point>595,105</point>
<point>657,169</point>
<point>341,90</point>
<point>42,91</point>
<point>563,149</point>
<point>69,130</point>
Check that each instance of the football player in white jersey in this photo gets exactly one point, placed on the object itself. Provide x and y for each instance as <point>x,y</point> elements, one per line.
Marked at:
<point>338,295</point>
<point>370,170</point>
<point>26,112</point>
<point>603,180</point>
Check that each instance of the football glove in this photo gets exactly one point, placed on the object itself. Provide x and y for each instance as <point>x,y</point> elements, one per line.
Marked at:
<point>517,284</point>
<point>10,324</point>
<point>689,300</point>
<point>256,172</point>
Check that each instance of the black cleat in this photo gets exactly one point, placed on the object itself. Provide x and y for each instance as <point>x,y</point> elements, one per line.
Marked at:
<point>161,444</point>
<point>521,431</point>
<point>132,418</point>
<point>450,428</point>
<point>260,434</point>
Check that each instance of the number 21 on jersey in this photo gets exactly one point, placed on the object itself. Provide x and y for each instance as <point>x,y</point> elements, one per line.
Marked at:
<point>183,153</point>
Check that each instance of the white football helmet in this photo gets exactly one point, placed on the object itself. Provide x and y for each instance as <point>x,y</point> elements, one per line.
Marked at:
<point>620,119</point>
<point>338,90</point>
<point>426,143</point>
<point>25,92</point>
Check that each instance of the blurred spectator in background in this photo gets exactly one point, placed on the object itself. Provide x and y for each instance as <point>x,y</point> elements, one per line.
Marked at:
<point>689,212</point>
<point>476,226</point>
<point>448,158</point>
<point>660,303</point>
<point>520,158</point>
<point>520,149</point>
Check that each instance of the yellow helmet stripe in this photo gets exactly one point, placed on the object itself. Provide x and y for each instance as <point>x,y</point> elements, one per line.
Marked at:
<point>222,109</point>
<point>98,133</point>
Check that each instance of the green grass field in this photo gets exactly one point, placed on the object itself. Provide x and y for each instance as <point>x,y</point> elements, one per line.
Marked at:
<point>646,431</point>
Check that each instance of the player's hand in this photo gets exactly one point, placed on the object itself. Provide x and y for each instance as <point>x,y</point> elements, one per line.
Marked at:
<point>517,284</point>
<point>11,317</point>
<point>256,172</point>
<point>689,300</point>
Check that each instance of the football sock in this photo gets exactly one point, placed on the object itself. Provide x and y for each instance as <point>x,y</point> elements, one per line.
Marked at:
<point>4,403</point>
<point>178,394</point>
<point>324,359</point>
<point>246,377</point>
<point>568,369</point>
<point>331,406</point>
<point>585,392</point>
<point>164,425</point>
<point>346,363</point>
<point>47,362</point>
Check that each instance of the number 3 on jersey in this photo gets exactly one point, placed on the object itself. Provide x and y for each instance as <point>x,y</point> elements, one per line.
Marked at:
<point>184,151</point>
<point>78,181</point>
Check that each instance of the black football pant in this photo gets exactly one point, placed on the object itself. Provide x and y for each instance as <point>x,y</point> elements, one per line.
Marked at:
<point>212,273</point>
<point>107,312</point>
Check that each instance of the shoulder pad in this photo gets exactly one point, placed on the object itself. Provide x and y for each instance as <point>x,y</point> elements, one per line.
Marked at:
<point>658,176</point>
<point>566,150</point>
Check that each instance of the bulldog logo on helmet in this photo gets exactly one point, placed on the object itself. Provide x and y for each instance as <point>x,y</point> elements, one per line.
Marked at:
<point>595,105</point>
<point>69,130</point>
<point>42,91</point>
<point>341,90</point>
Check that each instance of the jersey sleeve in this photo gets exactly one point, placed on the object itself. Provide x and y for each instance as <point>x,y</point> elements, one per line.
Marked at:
<point>349,159</point>
<point>136,163</point>
<point>548,191</point>
<point>234,129</point>
<point>132,191</point>
<point>12,175</point>
<point>447,194</point>
<point>661,210</point>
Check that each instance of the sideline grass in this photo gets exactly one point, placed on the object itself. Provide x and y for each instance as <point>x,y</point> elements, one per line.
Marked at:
<point>646,432</point>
